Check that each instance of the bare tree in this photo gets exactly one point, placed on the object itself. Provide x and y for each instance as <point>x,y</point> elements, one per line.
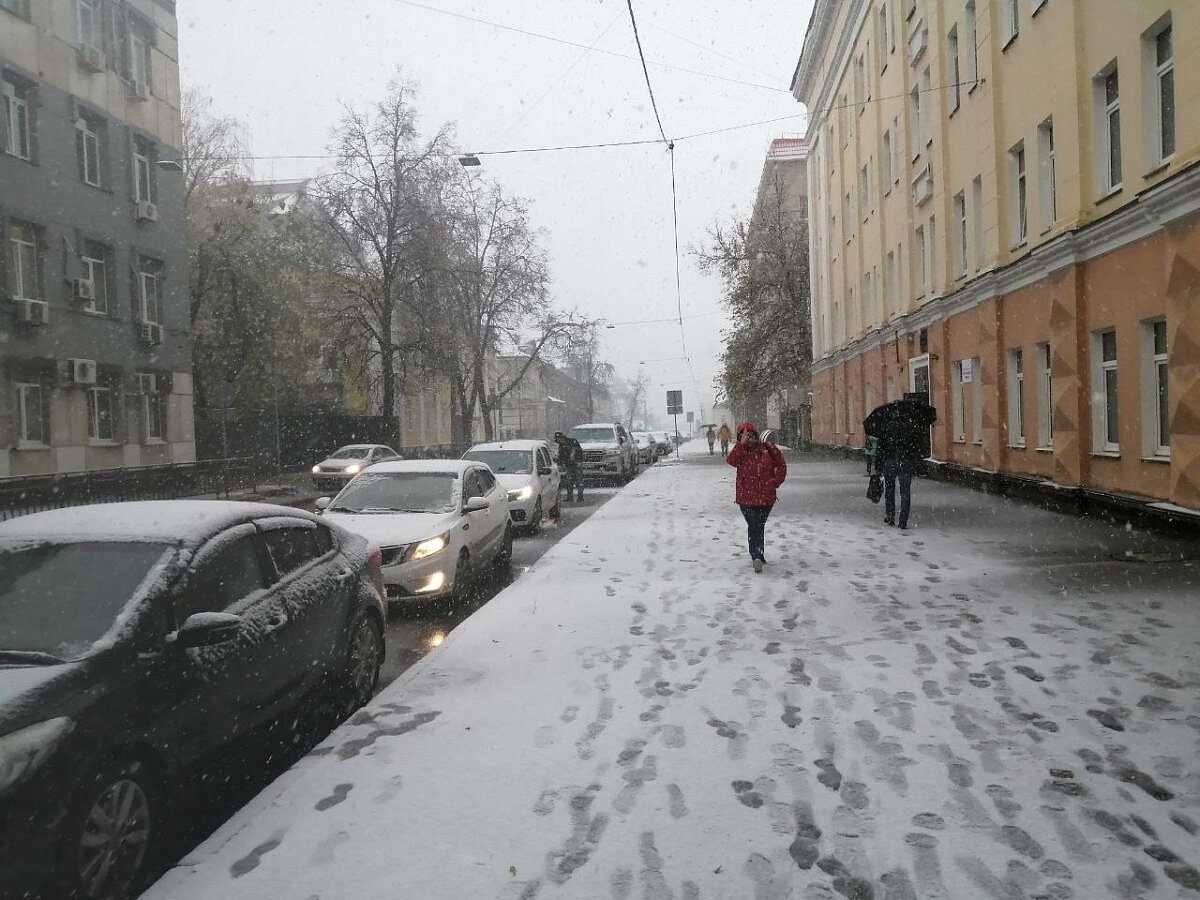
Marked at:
<point>213,146</point>
<point>579,352</point>
<point>763,264</point>
<point>381,204</point>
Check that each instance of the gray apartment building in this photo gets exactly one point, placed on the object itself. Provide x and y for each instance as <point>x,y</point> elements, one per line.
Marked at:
<point>95,356</point>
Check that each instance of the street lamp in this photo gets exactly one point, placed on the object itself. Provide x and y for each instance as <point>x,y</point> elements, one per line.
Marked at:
<point>469,160</point>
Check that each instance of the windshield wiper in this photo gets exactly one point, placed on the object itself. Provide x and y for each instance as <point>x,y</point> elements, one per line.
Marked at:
<point>31,657</point>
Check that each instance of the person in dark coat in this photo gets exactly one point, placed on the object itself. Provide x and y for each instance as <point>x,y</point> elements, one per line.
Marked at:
<point>570,463</point>
<point>711,434</point>
<point>760,471</point>
<point>902,429</point>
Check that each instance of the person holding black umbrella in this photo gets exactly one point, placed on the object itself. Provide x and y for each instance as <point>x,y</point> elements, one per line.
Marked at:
<point>902,430</point>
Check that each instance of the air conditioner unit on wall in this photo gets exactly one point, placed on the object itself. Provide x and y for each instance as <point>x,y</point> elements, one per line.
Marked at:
<point>92,59</point>
<point>83,289</point>
<point>139,90</point>
<point>147,211</point>
<point>152,333</point>
<point>33,312</point>
<point>81,371</point>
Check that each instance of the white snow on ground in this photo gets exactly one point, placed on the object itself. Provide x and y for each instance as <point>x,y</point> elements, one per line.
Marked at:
<point>995,705</point>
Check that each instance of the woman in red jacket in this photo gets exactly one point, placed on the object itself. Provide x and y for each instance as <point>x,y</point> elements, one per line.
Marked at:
<point>760,470</point>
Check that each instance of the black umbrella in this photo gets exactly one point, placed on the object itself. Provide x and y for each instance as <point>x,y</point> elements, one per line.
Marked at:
<point>902,426</point>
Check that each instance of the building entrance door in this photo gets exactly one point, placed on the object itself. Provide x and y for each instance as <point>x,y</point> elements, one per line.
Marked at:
<point>918,384</point>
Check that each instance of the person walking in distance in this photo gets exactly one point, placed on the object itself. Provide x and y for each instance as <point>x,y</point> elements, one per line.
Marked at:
<point>760,471</point>
<point>903,428</point>
<point>570,462</point>
<point>724,435</point>
<point>712,439</point>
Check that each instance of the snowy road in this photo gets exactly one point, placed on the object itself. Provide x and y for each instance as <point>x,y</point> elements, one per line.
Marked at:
<point>1003,703</point>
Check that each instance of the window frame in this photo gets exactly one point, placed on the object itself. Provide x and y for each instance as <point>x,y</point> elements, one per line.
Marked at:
<point>95,419</point>
<point>977,220</point>
<point>84,130</point>
<point>154,276</point>
<point>1020,196</point>
<point>920,277</point>
<point>1047,176</point>
<point>23,238</point>
<point>18,120</point>
<point>976,401</point>
<point>1015,359</point>
<point>92,39</point>
<point>99,305</point>
<point>1108,155</point>
<point>1155,72</point>
<point>970,32</point>
<point>958,407</point>
<point>143,164</point>
<point>154,429</point>
<point>1105,406</point>
<point>1043,355</point>
<point>1010,24</point>
<point>952,59</point>
<point>1156,423</point>
<point>25,439</point>
<point>960,236</point>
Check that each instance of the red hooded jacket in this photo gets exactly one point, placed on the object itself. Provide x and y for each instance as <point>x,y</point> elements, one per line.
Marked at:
<point>759,471</point>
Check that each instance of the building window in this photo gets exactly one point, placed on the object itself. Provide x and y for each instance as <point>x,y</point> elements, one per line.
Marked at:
<point>860,83</point>
<point>952,62</point>
<point>977,215</point>
<point>864,191</point>
<point>1016,398</point>
<point>24,270</point>
<point>883,38</point>
<point>889,281</point>
<point>958,406</point>
<point>919,259</point>
<point>89,23</point>
<point>1047,190</point>
<point>960,234</point>
<point>143,162</point>
<point>914,122</point>
<point>15,131</point>
<point>87,149</point>
<point>139,58</point>
<point>931,237</point>
<point>886,159</point>
<point>1160,106</point>
<point>976,380</point>
<point>31,413</point>
<point>969,37</point>
<point>927,112</point>
<point>1016,172</point>
<point>100,414</point>
<point>1108,88</point>
<point>152,406</point>
<point>17,7</point>
<point>1106,433</point>
<point>1035,5</point>
<point>149,291</point>
<point>1156,422</point>
<point>96,271</point>
<point>1008,21</point>
<point>848,218</point>
<point>1045,398</point>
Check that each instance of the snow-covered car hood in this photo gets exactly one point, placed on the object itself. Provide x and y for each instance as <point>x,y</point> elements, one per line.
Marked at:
<point>513,481</point>
<point>20,684</point>
<point>340,463</point>
<point>392,529</point>
<point>600,445</point>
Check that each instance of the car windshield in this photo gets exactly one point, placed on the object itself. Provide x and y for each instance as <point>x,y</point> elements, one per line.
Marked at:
<point>60,598</point>
<point>398,492</point>
<point>594,435</point>
<point>506,462</point>
<point>350,453</point>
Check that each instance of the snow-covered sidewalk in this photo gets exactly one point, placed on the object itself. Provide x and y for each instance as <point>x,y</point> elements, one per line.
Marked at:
<point>998,704</point>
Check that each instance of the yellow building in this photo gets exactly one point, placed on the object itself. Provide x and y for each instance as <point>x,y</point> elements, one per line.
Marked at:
<point>1003,212</point>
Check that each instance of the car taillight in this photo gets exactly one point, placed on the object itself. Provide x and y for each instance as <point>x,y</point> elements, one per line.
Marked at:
<point>374,556</point>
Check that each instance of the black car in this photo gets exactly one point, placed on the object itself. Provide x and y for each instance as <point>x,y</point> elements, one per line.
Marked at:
<point>136,639</point>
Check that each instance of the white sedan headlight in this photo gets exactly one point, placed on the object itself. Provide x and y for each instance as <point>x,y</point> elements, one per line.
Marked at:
<point>23,751</point>
<point>520,494</point>
<point>430,546</point>
<point>354,469</point>
<point>316,469</point>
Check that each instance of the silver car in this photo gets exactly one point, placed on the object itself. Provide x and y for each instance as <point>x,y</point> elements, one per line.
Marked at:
<point>336,470</point>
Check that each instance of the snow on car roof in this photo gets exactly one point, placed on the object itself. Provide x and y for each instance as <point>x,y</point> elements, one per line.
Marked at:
<point>595,425</point>
<point>521,444</point>
<point>158,521</point>
<point>456,466</point>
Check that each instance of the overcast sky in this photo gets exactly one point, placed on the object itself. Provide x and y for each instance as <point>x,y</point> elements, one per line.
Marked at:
<point>285,67</point>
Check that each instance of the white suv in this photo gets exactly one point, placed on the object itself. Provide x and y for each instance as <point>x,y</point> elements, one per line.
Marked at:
<point>608,451</point>
<point>528,472</point>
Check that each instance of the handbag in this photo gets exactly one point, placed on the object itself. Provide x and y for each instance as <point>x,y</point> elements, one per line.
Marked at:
<point>875,487</point>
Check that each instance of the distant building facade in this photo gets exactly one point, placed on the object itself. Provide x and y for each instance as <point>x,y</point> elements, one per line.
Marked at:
<point>95,357</point>
<point>1005,214</point>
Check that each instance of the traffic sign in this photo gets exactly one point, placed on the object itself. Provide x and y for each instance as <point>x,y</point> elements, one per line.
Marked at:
<point>674,403</point>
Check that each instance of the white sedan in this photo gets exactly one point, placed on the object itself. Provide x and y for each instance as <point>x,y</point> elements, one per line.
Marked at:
<point>438,523</point>
<point>527,471</point>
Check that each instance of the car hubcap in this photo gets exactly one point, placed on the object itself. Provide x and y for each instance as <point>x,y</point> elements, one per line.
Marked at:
<point>115,839</point>
<point>365,655</point>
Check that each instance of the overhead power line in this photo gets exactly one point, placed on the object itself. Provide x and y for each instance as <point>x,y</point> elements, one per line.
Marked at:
<point>646,72</point>
<point>570,43</point>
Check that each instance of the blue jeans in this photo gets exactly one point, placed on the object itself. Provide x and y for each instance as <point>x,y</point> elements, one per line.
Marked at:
<point>897,468</point>
<point>756,529</point>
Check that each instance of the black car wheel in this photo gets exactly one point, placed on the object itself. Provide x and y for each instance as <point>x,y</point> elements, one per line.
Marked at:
<point>504,557</point>
<point>462,576</point>
<point>535,521</point>
<point>115,832</point>
<point>364,657</point>
<point>556,509</point>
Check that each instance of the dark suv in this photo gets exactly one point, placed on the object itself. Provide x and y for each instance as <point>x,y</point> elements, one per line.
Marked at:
<point>138,638</point>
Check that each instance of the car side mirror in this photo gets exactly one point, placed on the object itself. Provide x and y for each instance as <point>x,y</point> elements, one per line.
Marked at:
<point>208,629</point>
<point>475,504</point>
<point>323,502</point>
<point>544,470</point>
